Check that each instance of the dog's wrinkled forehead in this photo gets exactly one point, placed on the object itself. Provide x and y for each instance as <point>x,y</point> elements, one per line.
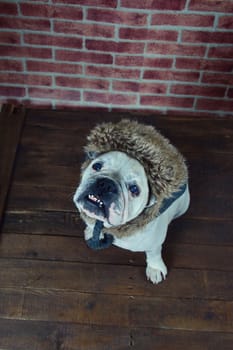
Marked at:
<point>116,162</point>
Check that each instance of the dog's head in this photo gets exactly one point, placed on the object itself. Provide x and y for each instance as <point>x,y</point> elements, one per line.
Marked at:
<point>113,189</point>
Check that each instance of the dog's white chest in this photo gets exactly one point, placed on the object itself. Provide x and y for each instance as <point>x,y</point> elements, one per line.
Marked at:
<point>154,233</point>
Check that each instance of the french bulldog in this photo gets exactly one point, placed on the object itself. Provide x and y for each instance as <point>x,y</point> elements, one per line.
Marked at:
<point>114,189</point>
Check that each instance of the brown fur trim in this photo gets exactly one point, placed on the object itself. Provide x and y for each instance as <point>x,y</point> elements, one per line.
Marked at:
<point>164,165</point>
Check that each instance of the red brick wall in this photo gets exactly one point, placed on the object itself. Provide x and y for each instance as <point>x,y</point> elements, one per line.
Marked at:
<point>170,56</point>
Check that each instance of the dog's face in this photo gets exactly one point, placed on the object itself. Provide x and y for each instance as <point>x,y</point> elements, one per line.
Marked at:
<point>113,189</point>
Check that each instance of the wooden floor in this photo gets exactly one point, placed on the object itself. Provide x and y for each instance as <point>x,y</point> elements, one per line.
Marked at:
<point>57,294</point>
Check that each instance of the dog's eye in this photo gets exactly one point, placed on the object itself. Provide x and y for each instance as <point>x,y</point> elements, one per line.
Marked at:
<point>134,189</point>
<point>97,166</point>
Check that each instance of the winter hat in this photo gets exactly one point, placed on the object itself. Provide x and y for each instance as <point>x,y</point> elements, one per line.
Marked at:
<point>164,165</point>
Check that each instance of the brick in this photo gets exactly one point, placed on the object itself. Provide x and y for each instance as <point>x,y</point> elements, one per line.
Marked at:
<point>221,52</point>
<point>113,46</point>
<point>7,8</point>
<point>215,78</point>
<point>110,98</point>
<point>185,20</point>
<point>83,83</point>
<point>129,61</point>
<point>48,11</point>
<point>21,51</point>
<point>166,101</point>
<point>78,56</point>
<point>230,93</point>
<point>210,91</point>
<point>11,65</point>
<point>98,3</point>
<point>142,61</point>
<point>148,34</point>
<point>25,24</point>
<point>53,40</point>
<point>204,64</point>
<point>213,5</point>
<point>176,49</point>
<point>84,29</point>
<point>9,38</point>
<point>225,22</point>
<point>154,4</point>
<point>25,79</point>
<point>110,72</point>
<point>53,67</point>
<point>171,75</point>
<point>131,86</point>
<point>54,94</point>
<point>214,104</point>
<point>207,37</point>
<point>12,91</point>
<point>118,17</point>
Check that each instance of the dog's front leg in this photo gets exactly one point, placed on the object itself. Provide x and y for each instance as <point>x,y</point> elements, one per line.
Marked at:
<point>88,233</point>
<point>156,270</point>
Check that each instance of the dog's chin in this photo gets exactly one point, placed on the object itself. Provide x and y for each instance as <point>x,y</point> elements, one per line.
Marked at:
<point>114,218</point>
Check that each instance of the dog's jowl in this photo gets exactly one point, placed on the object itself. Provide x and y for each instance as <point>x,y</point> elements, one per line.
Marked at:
<point>133,184</point>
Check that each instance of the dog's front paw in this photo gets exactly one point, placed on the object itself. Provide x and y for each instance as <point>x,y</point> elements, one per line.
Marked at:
<point>156,275</point>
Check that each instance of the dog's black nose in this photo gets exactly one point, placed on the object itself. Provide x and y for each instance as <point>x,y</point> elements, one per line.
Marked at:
<point>105,186</point>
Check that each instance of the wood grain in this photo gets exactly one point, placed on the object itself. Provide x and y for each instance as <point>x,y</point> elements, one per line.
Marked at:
<point>56,293</point>
<point>11,123</point>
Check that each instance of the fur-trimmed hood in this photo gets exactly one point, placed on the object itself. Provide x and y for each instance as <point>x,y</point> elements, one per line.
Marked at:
<point>164,165</point>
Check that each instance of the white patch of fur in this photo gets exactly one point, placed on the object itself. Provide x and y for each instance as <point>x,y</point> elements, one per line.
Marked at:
<point>151,237</point>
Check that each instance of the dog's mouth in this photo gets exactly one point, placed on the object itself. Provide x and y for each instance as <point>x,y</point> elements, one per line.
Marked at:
<point>103,199</point>
<point>94,206</point>
<point>92,198</point>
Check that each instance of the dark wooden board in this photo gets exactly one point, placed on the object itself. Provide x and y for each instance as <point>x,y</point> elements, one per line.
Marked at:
<point>218,141</point>
<point>56,293</point>
<point>11,123</point>
<point>53,198</point>
<point>185,230</point>
<point>40,335</point>
<point>103,278</point>
<point>75,249</point>
<point>18,335</point>
<point>107,310</point>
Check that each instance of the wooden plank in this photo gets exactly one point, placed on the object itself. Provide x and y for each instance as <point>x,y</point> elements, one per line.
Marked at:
<point>37,335</point>
<point>60,119</point>
<point>53,198</point>
<point>44,222</point>
<point>185,230</point>
<point>190,139</point>
<point>114,279</point>
<point>151,339</point>
<point>127,311</point>
<point>57,293</point>
<point>60,248</point>
<point>11,123</point>
<point>201,231</point>
<point>35,197</point>
<point>75,249</point>
<point>212,178</point>
<point>220,135</point>
<point>215,179</point>
<point>214,164</point>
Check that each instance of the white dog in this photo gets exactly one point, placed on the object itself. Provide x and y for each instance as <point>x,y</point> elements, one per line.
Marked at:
<point>116,194</point>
